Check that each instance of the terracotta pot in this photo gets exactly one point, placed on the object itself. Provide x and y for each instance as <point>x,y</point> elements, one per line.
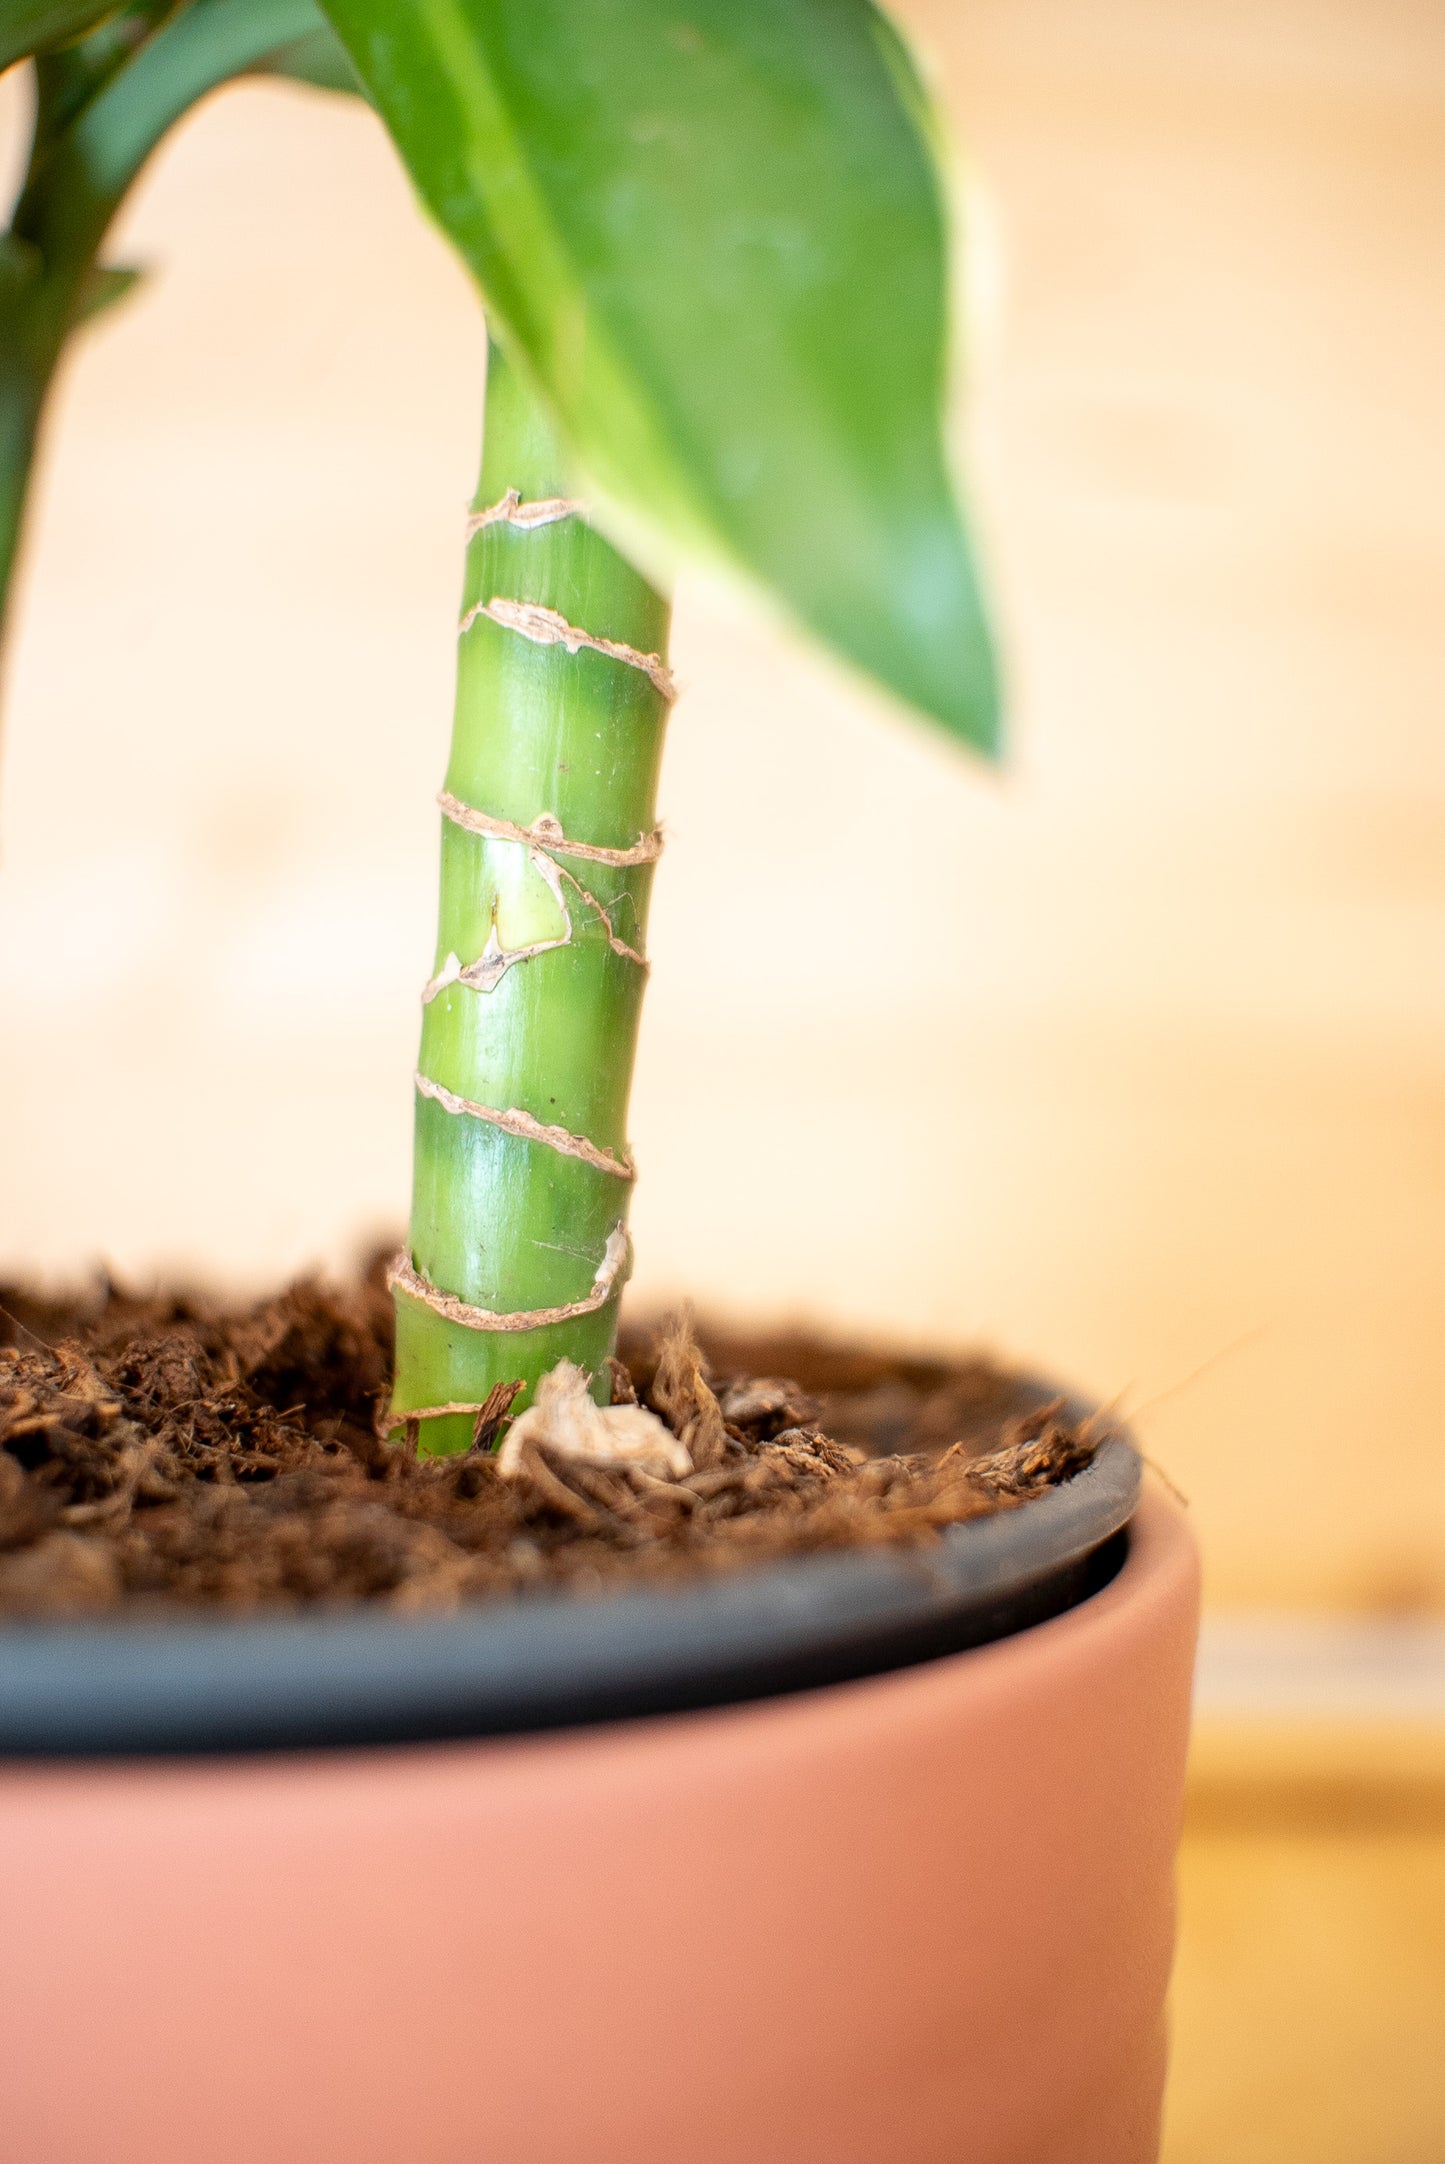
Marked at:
<point>922,1916</point>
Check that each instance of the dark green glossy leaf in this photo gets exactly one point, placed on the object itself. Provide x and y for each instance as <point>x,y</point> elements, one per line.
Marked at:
<point>199,48</point>
<point>102,105</point>
<point>713,232</point>
<point>20,265</point>
<point>38,26</point>
<point>104,285</point>
<point>318,58</point>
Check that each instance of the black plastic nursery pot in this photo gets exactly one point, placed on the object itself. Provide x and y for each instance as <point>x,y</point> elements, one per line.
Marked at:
<point>353,1679</point>
<point>860,1856</point>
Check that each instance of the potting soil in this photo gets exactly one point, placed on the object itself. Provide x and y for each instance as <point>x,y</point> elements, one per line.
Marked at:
<point>169,1451</point>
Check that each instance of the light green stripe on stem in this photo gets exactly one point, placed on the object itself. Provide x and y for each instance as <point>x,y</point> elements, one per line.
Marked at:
<point>533,1005</point>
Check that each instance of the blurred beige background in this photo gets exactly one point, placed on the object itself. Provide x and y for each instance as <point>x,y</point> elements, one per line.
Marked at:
<point>1171,987</point>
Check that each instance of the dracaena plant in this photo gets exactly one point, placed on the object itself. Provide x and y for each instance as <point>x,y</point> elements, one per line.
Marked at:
<point>711,243</point>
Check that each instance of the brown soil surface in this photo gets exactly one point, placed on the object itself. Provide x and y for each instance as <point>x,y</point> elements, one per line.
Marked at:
<point>155,1452</point>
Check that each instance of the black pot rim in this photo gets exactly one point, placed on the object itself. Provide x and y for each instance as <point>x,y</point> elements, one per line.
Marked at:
<point>355,1678</point>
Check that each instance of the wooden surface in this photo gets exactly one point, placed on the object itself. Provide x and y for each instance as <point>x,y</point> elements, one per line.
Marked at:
<point>1308,2003</point>
<point>1135,1051</point>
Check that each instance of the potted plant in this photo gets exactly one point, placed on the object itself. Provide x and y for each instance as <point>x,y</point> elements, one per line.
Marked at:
<point>862,1852</point>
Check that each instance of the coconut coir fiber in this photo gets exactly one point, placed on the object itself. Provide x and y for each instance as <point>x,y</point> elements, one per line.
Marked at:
<point>155,1452</point>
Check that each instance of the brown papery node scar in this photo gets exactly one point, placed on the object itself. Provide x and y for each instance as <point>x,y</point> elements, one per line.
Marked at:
<point>529,1129</point>
<point>489,1416</point>
<point>403,1276</point>
<point>545,627</point>
<point>510,510</point>
<point>546,832</point>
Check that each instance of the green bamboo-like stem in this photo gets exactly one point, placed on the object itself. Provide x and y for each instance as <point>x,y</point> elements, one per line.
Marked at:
<point>532,1011</point>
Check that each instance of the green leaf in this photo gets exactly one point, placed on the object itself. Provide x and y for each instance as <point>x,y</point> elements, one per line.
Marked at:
<point>20,266</point>
<point>318,58</point>
<point>104,285</point>
<point>38,26</point>
<point>713,233</point>
<point>197,49</point>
